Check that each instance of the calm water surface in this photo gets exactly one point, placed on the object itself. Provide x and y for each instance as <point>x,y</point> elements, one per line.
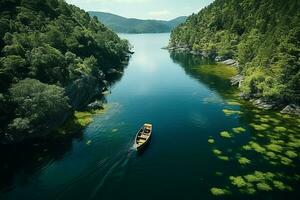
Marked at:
<point>185,109</point>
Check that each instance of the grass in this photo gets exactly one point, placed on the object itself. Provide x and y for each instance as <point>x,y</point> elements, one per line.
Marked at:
<point>79,120</point>
<point>83,118</point>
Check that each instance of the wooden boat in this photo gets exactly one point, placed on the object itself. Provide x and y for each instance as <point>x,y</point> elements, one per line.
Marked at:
<point>143,136</point>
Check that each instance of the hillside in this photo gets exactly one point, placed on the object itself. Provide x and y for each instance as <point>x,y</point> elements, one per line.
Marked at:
<point>264,36</point>
<point>54,59</point>
<point>129,25</point>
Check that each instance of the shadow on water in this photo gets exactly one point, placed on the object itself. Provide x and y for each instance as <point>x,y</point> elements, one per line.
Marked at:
<point>143,150</point>
<point>29,158</point>
<point>20,162</point>
<point>191,63</point>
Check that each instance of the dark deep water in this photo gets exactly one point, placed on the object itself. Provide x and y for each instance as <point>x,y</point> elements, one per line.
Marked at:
<point>185,108</point>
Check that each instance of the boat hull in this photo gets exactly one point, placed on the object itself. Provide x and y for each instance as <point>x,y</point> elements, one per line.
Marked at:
<point>143,136</point>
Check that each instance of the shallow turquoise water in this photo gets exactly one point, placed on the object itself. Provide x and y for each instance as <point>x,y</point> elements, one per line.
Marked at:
<point>185,109</point>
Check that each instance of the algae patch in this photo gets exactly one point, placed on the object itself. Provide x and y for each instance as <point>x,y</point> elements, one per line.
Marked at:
<point>225,134</point>
<point>244,161</point>
<point>238,181</point>
<point>229,112</point>
<point>219,191</point>
<point>211,141</point>
<point>238,130</point>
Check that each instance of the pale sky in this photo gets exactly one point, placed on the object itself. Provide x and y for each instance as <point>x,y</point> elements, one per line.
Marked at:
<point>144,9</point>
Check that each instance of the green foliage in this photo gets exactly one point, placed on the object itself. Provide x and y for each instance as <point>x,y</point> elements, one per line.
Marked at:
<point>124,25</point>
<point>38,106</point>
<point>262,36</point>
<point>55,45</point>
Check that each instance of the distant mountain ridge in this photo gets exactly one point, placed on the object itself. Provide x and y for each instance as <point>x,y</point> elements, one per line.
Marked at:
<point>131,25</point>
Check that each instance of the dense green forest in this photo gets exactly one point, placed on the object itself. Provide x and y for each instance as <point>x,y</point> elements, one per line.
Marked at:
<point>130,25</point>
<point>264,36</point>
<point>54,59</point>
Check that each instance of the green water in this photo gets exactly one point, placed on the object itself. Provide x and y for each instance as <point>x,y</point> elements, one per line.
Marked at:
<point>185,107</point>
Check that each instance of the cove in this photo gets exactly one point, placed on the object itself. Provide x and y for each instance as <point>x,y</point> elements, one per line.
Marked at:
<point>189,156</point>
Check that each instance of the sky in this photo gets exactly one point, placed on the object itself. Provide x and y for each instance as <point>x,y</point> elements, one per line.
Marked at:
<point>144,9</point>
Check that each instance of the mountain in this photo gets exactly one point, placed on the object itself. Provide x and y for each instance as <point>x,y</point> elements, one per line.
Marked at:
<point>264,36</point>
<point>130,25</point>
<point>54,59</point>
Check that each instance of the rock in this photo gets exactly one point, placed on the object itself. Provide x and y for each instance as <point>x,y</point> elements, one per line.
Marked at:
<point>196,53</point>
<point>229,62</point>
<point>95,105</point>
<point>113,71</point>
<point>219,58</point>
<point>291,109</point>
<point>204,54</point>
<point>244,96</point>
<point>237,80</point>
<point>263,104</point>
<point>82,91</point>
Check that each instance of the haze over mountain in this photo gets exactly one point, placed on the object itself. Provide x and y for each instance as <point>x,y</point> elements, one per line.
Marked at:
<point>131,25</point>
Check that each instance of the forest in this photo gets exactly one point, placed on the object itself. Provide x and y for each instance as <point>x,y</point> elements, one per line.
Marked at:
<point>54,59</point>
<point>264,36</point>
<point>121,24</point>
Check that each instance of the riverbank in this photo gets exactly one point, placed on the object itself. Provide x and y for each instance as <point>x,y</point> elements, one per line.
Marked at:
<point>237,80</point>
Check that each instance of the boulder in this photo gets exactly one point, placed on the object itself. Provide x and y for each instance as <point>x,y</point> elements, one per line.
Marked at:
<point>95,105</point>
<point>264,104</point>
<point>219,58</point>
<point>237,80</point>
<point>229,62</point>
<point>291,109</point>
<point>84,90</point>
<point>113,71</point>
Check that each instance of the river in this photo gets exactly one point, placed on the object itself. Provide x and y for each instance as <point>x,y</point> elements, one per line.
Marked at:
<point>186,156</point>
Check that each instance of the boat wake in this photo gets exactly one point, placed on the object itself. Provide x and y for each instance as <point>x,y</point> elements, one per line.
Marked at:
<point>115,165</point>
<point>118,164</point>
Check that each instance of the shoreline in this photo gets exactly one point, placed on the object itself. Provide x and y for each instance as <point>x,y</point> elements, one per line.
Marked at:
<point>291,108</point>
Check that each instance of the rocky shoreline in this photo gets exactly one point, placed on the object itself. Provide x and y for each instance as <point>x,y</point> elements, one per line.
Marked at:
<point>237,80</point>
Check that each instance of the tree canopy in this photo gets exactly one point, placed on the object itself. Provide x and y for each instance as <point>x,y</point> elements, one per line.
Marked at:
<point>49,44</point>
<point>264,36</point>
